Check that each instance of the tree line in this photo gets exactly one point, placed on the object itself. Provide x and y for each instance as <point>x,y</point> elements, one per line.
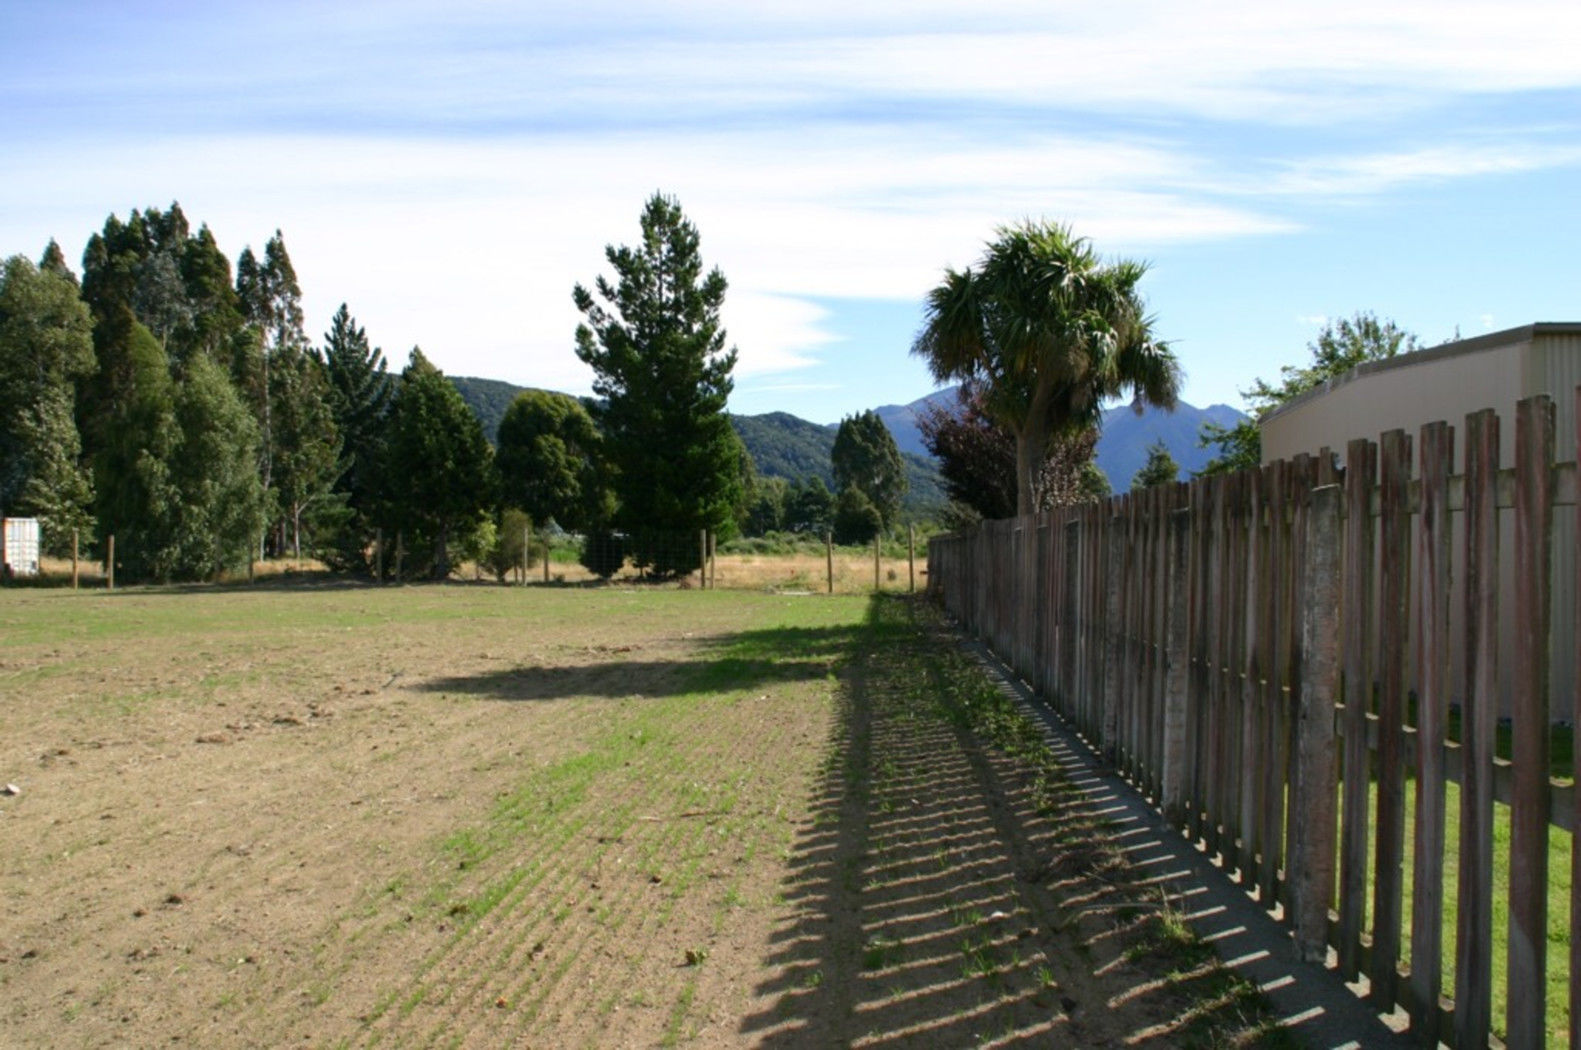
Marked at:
<point>177,403</point>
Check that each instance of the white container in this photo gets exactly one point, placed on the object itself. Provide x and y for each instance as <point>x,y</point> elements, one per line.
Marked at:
<point>19,544</point>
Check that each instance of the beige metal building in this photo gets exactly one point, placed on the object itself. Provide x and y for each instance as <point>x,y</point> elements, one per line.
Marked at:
<point>1448,382</point>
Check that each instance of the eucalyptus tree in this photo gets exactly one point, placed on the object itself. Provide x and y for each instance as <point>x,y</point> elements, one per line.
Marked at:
<point>550,462</point>
<point>271,303</point>
<point>46,347</point>
<point>1340,346</point>
<point>1047,331</point>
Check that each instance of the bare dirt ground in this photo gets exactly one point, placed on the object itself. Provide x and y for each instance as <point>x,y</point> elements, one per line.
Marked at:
<point>480,816</point>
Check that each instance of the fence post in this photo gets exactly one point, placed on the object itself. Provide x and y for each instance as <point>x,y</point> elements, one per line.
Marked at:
<point>713,561</point>
<point>1479,713</point>
<point>73,559</point>
<point>546,557</point>
<point>400,553</point>
<point>1361,458</point>
<point>1529,728</point>
<point>1312,846</point>
<point>828,554</point>
<point>702,564</point>
<point>1109,709</point>
<point>526,558</point>
<point>911,559</point>
<point>1394,559</point>
<point>1575,720</point>
<point>109,564</point>
<point>1176,667</point>
<point>876,542</point>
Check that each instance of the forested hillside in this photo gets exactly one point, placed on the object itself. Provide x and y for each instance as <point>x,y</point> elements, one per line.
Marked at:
<point>781,445</point>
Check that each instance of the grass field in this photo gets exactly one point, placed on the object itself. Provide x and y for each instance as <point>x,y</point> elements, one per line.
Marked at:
<point>848,569</point>
<point>333,815</point>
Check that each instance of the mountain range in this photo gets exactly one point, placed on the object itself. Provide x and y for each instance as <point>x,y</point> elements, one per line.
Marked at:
<point>1123,440</point>
<point>787,446</point>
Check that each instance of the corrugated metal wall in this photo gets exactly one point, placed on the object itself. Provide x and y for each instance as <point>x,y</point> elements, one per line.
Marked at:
<point>1557,360</point>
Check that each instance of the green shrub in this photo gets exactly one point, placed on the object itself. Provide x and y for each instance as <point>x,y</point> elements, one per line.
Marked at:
<point>603,553</point>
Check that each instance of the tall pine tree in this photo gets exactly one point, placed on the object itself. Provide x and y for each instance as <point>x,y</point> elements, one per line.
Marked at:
<point>865,458</point>
<point>438,467</point>
<point>360,393</point>
<point>654,342</point>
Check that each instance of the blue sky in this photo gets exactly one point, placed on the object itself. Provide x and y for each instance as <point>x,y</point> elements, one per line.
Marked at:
<point>451,170</point>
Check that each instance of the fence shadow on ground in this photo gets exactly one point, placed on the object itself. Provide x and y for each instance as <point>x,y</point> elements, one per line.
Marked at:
<point>929,904</point>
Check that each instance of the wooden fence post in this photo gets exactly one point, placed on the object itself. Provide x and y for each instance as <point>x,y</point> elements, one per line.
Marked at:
<point>1529,728</point>
<point>828,554</point>
<point>1176,667</point>
<point>1479,726</point>
<point>378,555</point>
<point>1575,720</point>
<point>1311,875</point>
<point>526,557</point>
<point>1432,712</point>
<point>702,565</point>
<point>1108,715</point>
<point>109,564</point>
<point>911,559</point>
<point>73,559</point>
<point>1394,471</point>
<point>1361,458</point>
<point>876,552</point>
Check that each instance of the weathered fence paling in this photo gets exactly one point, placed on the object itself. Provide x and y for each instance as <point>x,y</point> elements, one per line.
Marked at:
<point>1273,655</point>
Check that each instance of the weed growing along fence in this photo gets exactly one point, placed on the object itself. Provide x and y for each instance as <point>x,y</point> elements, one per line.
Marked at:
<point>1283,657</point>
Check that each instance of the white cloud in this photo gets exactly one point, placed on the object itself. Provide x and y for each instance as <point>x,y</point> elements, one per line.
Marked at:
<point>1371,174</point>
<point>451,171</point>
<point>470,249</point>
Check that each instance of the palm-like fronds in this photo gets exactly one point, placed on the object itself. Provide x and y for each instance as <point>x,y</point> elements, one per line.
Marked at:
<point>1048,332</point>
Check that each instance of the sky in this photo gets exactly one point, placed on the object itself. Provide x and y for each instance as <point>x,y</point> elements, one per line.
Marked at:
<point>451,170</point>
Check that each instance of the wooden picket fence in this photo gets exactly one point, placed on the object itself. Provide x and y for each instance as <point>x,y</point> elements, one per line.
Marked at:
<point>1203,637</point>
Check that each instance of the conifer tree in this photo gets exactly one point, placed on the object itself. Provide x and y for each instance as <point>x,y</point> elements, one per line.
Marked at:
<point>54,261</point>
<point>865,458</point>
<point>658,353</point>
<point>438,466</point>
<point>360,393</point>
<point>1160,468</point>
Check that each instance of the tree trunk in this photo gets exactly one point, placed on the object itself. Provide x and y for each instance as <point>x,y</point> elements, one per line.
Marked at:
<point>1026,466</point>
<point>1032,443</point>
<point>442,555</point>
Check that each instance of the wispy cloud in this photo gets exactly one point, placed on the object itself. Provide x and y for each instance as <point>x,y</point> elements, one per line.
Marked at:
<point>428,163</point>
<point>1375,173</point>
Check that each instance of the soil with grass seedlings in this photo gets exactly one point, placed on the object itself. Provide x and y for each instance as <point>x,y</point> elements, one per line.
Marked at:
<point>482,816</point>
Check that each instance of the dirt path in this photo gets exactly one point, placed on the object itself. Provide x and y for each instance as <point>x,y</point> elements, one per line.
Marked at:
<point>478,817</point>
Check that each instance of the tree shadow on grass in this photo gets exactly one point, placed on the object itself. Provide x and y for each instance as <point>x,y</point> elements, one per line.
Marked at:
<point>737,661</point>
